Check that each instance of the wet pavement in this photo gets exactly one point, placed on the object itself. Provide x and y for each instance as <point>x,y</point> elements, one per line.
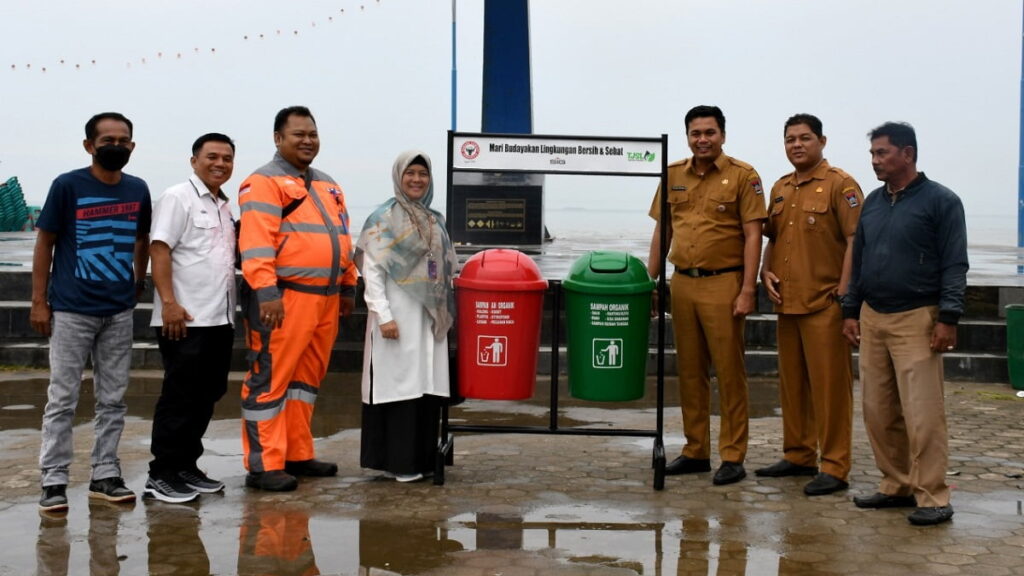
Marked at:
<point>512,504</point>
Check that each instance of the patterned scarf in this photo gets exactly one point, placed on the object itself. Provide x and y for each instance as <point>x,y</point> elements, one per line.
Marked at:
<point>411,241</point>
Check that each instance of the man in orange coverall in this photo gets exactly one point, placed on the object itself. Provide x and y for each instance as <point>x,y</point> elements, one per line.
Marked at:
<point>296,259</point>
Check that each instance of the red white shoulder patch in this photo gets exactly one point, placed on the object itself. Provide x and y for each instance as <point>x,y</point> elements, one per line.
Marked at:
<point>851,198</point>
<point>756,185</point>
<point>243,191</point>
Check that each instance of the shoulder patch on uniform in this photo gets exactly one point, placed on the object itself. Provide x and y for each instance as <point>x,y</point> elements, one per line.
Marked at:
<point>851,197</point>
<point>740,163</point>
<point>679,188</point>
<point>756,185</point>
<point>243,191</point>
<point>839,171</point>
<point>779,199</point>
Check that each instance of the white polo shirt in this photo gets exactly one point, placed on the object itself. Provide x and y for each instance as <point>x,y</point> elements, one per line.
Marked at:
<point>200,230</point>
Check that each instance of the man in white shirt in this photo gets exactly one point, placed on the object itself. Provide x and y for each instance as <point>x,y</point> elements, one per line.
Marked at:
<point>193,258</point>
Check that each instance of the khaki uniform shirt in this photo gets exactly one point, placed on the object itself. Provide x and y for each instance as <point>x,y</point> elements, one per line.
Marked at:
<point>809,221</point>
<point>708,212</point>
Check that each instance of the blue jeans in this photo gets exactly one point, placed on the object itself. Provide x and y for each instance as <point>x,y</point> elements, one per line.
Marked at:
<point>108,339</point>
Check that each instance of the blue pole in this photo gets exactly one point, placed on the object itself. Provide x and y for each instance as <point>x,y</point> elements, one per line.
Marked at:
<point>506,103</point>
<point>454,72</point>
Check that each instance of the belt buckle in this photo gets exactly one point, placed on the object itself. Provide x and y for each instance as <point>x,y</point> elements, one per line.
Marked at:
<point>692,272</point>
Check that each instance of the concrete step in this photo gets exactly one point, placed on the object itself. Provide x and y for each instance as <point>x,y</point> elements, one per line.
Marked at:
<point>348,357</point>
<point>981,354</point>
<point>982,302</point>
<point>974,335</point>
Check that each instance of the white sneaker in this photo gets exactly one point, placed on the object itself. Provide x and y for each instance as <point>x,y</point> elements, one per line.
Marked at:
<point>409,477</point>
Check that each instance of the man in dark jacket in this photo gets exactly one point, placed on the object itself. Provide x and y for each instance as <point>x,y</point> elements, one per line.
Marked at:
<point>906,295</point>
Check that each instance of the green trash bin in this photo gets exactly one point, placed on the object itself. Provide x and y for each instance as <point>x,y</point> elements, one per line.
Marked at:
<point>608,313</point>
<point>1015,344</point>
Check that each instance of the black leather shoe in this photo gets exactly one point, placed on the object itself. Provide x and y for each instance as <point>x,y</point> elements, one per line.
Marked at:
<point>271,481</point>
<point>824,484</point>
<point>728,473</point>
<point>786,468</point>
<point>684,465</point>
<point>879,500</point>
<point>313,467</point>
<point>931,516</point>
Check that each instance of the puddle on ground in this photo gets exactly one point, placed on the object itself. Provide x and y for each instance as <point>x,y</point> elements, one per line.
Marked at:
<point>338,404</point>
<point>246,533</point>
<point>983,509</point>
<point>284,538</point>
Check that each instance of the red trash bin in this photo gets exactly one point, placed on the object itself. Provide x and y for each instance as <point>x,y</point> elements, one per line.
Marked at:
<point>500,298</point>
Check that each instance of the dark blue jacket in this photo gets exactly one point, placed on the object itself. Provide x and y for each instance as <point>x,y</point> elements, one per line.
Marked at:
<point>910,252</point>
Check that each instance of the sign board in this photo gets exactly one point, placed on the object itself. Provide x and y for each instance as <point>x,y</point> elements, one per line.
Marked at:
<point>563,154</point>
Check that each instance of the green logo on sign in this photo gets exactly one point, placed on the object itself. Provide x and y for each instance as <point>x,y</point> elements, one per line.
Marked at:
<point>640,157</point>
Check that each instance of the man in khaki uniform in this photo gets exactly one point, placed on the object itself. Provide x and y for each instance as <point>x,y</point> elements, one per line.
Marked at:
<point>717,209</point>
<point>812,220</point>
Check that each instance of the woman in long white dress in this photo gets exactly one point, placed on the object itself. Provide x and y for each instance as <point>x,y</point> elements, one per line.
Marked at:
<point>407,263</point>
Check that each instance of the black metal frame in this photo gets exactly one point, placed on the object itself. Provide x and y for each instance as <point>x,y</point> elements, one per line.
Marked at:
<point>446,444</point>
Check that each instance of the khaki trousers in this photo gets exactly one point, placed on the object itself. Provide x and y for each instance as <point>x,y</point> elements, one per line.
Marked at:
<point>816,390</point>
<point>904,408</point>
<point>706,332</point>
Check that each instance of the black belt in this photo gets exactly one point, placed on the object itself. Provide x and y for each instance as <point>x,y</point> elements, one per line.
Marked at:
<point>704,273</point>
<point>306,289</point>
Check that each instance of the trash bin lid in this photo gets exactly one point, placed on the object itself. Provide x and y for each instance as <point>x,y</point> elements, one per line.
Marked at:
<point>501,270</point>
<point>608,272</point>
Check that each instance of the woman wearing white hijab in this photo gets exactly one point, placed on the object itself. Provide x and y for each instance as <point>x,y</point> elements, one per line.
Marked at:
<point>407,262</point>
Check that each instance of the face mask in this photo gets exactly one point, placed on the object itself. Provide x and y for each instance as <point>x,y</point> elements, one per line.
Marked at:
<point>113,157</point>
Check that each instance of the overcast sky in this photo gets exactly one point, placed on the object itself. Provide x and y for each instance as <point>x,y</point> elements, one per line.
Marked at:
<point>376,75</point>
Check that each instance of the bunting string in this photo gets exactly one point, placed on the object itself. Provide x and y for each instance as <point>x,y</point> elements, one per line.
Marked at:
<point>196,51</point>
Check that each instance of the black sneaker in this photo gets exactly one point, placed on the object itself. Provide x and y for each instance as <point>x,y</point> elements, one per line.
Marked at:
<point>196,480</point>
<point>169,489</point>
<point>111,490</point>
<point>312,467</point>
<point>271,481</point>
<point>54,499</point>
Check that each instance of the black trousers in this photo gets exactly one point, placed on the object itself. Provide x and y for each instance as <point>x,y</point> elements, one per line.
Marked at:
<point>195,377</point>
<point>401,437</point>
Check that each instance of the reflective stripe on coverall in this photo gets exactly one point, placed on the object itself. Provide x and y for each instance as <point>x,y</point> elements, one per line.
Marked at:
<point>305,260</point>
